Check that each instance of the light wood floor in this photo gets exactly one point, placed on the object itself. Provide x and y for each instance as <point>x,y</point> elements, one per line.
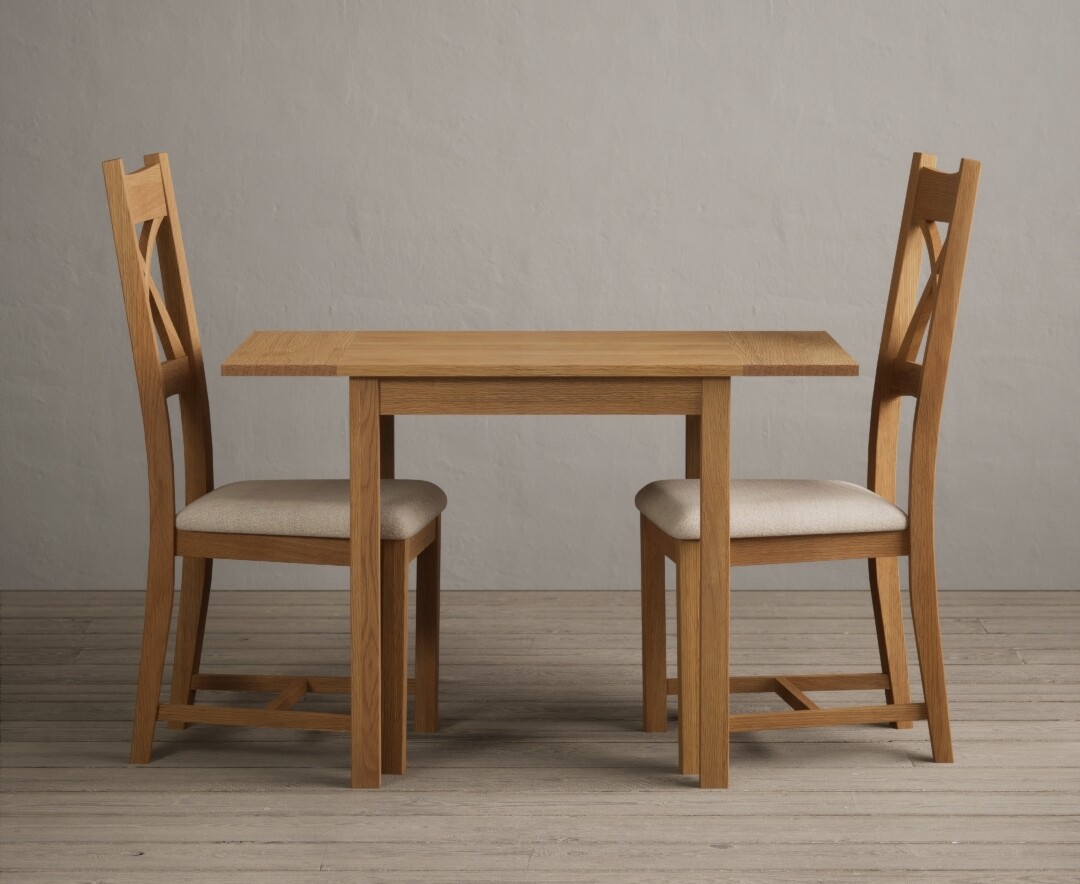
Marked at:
<point>541,771</point>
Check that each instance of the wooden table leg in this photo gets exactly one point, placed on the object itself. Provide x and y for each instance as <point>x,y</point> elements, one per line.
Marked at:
<point>715,581</point>
<point>689,579</point>
<point>364,584</point>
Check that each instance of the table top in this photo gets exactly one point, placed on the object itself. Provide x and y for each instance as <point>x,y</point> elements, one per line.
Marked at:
<point>539,354</point>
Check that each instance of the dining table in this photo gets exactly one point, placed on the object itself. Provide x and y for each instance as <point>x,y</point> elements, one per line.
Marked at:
<point>679,373</point>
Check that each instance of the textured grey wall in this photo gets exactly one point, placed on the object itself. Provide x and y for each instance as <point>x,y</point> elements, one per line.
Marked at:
<point>538,165</point>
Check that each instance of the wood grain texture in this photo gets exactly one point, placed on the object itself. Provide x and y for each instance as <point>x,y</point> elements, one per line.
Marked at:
<point>145,194</point>
<point>653,632</point>
<point>817,548</point>
<point>155,636</point>
<point>882,714</point>
<point>812,681</point>
<point>207,714</point>
<point>230,681</point>
<point>794,353</point>
<point>693,446</point>
<point>159,313</point>
<point>447,354</point>
<point>387,448</point>
<point>264,548</point>
<point>885,408</point>
<point>289,696</point>
<point>289,353</point>
<point>541,396</point>
<point>792,694</point>
<point>195,581</point>
<point>428,606</point>
<point>905,379</point>
<point>889,623</point>
<point>394,620</point>
<point>688,631</point>
<point>715,582</point>
<point>180,304</point>
<point>430,534</point>
<point>937,195</point>
<point>176,376</point>
<point>797,682</point>
<point>364,584</point>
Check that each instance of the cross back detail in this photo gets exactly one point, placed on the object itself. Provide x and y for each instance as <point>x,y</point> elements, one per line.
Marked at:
<point>145,224</point>
<point>933,197</point>
<point>925,324</point>
<point>147,198</point>
<point>924,310</point>
<point>163,321</point>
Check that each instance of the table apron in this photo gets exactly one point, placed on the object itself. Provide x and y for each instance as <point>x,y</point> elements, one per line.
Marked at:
<point>540,395</point>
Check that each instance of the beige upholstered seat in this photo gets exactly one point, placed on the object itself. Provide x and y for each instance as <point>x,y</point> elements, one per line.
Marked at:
<point>772,508</point>
<point>309,508</point>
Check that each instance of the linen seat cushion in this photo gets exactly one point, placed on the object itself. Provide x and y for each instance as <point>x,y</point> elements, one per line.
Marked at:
<point>309,508</point>
<point>772,508</point>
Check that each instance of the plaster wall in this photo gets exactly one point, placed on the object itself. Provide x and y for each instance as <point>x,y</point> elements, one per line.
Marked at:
<point>538,165</point>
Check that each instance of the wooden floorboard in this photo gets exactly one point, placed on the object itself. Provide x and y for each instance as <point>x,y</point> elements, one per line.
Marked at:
<point>540,771</point>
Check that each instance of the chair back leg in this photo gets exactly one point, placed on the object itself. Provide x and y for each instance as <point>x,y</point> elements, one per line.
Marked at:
<point>688,600</point>
<point>426,695</point>
<point>155,639</point>
<point>924,614</point>
<point>653,632</point>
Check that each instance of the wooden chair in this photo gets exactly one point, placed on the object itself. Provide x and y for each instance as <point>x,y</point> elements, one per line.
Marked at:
<point>274,521</point>
<point>781,521</point>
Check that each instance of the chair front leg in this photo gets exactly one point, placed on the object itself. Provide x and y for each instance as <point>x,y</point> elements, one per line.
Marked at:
<point>190,627</point>
<point>426,695</point>
<point>889,619</point>
<point>653,632</point>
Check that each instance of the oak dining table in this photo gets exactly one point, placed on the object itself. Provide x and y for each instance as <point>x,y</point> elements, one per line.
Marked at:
<point>682,373</point>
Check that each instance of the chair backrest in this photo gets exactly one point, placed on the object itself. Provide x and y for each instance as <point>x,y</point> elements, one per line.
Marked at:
<point>144,223</point>
<point>933,198</point>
